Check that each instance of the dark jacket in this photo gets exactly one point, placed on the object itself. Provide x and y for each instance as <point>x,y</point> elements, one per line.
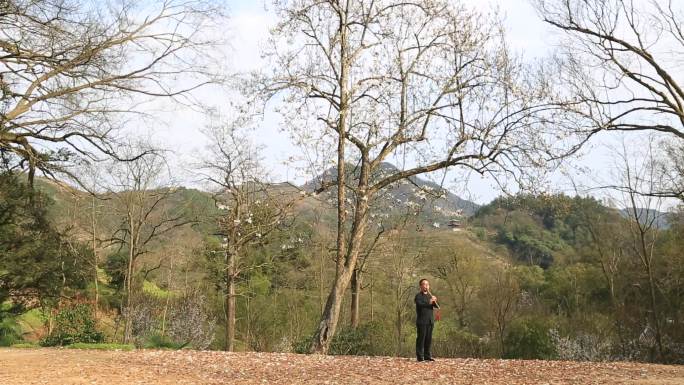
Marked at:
<point>424,313</point>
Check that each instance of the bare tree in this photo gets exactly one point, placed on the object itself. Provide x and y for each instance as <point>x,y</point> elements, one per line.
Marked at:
<point>140,196</point>
<point>461,271</point>
<point>501,296</point>
<point>90,227</point>
<point>250,208</point>
<point>375,79</point>
<point>85,231</point>
<point>644,214</point>
<point>70,69</point>
<point>620,67</point>
<point>669,169</point>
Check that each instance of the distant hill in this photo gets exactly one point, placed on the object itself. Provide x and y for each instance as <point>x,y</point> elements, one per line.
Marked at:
<point>660,219</point>
<point>437,205</point>
<point>431,208</point>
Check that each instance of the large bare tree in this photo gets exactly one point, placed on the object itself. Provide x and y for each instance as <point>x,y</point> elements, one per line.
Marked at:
<point>619,70</point>
<point>71,70</point>
<point>373,80</point>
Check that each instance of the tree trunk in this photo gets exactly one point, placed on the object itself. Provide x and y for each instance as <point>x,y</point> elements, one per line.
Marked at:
<point>400,328</point>
<point>95,260</point>
<point>168,298</point>
<point>371,296</point>
<point>248,332</point>
<point>355,293</point>
<point>165,312</point>
<point>230,303</point>
<point>129,291</point>
<point>331,314</point>
<point>327,326</point>
<point>321,287</point>
<point>654,311</point>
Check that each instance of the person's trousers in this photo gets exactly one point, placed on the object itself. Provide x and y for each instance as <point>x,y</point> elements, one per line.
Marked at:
<point>423,341</point>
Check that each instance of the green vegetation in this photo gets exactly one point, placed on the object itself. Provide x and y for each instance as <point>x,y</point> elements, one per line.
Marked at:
<point>31,319</point>
<point>531,277</point>
<point>100,346</point>
<point>583,283</point>
<point>157,341</point>
<point>74,324</point>
<point>529,338</point>
<point>25,345</point>
<point>9,331</point>
<point>36,257</point>
<point>152,289</point>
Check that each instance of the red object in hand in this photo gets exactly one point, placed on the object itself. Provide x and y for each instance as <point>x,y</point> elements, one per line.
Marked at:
<point>438,314</point>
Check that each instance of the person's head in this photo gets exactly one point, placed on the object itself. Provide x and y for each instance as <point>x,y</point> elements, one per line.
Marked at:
<point>424,285</point>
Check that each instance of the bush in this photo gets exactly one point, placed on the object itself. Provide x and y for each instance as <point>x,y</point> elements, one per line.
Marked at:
<point>302,345</point>
<point>72,325</point>
<point>364,340</point>
<point>480,233</point>
<point>529,338</point>
<point>10,332</point>
<point>583,347</point>
<point>157,341</point>
<point>145,315</point>
<point>451,341</point>
<point>189,321</point>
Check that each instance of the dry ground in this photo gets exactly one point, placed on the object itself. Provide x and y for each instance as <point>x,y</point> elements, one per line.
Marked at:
<point>65,366</point>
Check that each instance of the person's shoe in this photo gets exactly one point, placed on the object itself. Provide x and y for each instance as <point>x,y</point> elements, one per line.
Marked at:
<point>430,359</point>
<point>420,360</point>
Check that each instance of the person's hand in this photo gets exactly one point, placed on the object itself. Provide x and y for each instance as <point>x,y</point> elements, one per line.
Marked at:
<point>433,299</point>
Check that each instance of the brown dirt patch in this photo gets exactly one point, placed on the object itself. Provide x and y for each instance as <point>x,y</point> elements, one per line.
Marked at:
<point>65,366</point>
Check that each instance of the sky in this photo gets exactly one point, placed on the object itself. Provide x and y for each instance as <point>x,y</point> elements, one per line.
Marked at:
<point>180,129</point>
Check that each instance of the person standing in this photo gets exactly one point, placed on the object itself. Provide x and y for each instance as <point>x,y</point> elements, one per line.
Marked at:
<point>425,321</point>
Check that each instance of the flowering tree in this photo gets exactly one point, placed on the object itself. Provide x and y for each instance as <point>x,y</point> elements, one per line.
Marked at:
<point>249,209</point>
<point>376,80</point>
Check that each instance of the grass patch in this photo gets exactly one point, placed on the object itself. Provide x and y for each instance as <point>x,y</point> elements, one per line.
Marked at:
<point>10,331</point>
<point>33,317</point>
<point>156,341</point>
<point>82,345</point>
<point>25,345</point>
<point>31,322</point>
<point>152,289</point>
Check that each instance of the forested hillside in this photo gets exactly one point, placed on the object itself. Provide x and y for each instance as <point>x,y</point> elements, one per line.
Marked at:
<point>547,276</point>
